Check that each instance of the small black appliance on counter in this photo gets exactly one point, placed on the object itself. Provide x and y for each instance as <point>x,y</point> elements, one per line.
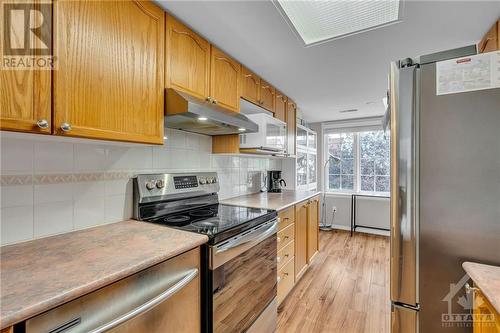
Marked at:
<point>274,181</point>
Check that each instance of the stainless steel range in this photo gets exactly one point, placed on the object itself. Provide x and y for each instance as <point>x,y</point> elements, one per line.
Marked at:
<point>238,262</point>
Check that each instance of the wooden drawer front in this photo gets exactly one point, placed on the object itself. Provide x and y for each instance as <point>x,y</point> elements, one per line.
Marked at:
<point>285,280</point>
<point>285,254</point>
<point>285,236</point>
<point>287,217</point>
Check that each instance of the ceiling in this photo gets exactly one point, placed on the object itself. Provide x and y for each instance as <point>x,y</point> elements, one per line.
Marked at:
<point>348,73</point>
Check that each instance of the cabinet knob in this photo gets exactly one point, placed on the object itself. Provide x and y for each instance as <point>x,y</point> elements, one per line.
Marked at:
<point>42,123</point>
<point>215,101</point>
<point>66,127</point>
<point>209,99</point>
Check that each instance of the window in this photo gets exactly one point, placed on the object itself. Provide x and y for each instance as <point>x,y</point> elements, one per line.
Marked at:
<point>359,161</point>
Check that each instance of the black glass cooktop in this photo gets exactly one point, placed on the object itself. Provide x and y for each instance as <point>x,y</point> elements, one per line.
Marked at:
<point>217,221</point>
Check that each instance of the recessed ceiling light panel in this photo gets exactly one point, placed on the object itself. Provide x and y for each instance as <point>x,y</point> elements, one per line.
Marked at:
<point>317,21</point>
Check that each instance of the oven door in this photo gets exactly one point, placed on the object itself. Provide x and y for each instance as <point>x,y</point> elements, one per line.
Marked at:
<point>244,277</point>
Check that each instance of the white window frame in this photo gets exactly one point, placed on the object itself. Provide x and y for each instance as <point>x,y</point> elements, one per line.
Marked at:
<point>354,127</point>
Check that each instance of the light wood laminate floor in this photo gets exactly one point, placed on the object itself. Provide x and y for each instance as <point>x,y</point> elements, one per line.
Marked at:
<point>346,288</point>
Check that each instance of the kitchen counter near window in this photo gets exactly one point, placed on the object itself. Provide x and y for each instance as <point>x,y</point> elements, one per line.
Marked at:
<point>267,200</point>
<point>39,275</point>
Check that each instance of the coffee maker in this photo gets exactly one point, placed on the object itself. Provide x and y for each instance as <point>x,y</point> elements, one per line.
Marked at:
<point>274,181</point>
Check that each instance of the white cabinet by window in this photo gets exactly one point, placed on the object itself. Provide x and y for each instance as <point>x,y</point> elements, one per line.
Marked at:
<point>308,149</point>
<point>301,171</point>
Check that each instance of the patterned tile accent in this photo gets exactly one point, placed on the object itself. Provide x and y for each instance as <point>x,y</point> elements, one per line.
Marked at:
<point>62,178</point>
<point>16,180</point>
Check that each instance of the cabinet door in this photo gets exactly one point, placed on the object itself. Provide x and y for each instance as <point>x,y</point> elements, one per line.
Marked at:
<point>300,239</point>
<point>312,228</point>
<point>280,105</point>
<point>490,41</point>
<point>291,126</point>
<point>187,61</point>
<point>225,80</point>
<point>267,93</point>
<point>250,86</point>
<point>109,84</point>
<point>25,97</point>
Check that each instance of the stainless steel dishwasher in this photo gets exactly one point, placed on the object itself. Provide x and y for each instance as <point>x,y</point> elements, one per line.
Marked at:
<point>162,298</point>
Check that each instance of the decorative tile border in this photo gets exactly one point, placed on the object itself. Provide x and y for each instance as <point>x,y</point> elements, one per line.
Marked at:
<point>6,180</point>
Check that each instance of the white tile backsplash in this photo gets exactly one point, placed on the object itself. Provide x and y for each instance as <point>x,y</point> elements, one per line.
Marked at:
<point>16,195</point>
<point>16,156</point>
<point>53,218</point>
<point>53,157</point>
<point>59,204</point>
<point>16,224</point>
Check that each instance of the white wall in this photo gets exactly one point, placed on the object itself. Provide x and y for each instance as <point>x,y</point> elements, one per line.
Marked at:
<point>370,211</point>
<point>52,185</point>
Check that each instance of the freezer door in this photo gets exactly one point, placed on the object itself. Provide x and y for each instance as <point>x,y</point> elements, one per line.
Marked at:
<point>404,283</point>
<point>403,320</point>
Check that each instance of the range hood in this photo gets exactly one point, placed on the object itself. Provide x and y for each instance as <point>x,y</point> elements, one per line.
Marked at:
<point>191,114</point>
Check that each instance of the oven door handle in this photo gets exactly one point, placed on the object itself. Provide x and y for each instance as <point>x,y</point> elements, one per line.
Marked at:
<point>255,236</point>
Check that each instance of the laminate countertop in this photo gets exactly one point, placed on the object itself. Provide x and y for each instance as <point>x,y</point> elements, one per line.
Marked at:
<point>486,278</point>
<point>267,200</point>
<point>42,274</point>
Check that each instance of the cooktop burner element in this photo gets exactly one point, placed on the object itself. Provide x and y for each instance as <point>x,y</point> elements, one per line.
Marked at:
<point>176,219</point>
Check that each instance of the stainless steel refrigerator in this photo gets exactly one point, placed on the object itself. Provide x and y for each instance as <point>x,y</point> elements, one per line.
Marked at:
<point>445,185</point>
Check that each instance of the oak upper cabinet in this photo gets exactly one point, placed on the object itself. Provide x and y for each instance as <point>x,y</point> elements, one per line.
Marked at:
<point>25,98</point>
<point>300,239</point>
<point>225,75</point>
<point>291,126</point>
<point>280,104</point>
<point>267,93</point>
<point>312,228</point>
<point>110,78</point>
<point>187,60</point>
<point>490,41</point>
<point>250,86</point>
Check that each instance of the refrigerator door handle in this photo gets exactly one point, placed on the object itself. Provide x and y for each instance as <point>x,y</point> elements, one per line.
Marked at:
<point>404,173</point>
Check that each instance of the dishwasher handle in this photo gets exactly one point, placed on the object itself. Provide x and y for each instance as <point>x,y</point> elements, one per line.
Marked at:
<point>188,277</point>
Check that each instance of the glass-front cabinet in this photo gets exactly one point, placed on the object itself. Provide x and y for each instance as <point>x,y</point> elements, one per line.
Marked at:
<point>306,159</point>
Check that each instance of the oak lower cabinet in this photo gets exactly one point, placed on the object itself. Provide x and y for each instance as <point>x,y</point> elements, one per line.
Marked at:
<point>176,282</point>
<point>298,235</point>
<point>224,80</point>
<point>312,228</point>
<point>25,95</point>
<point>300,239</point>
<point>8,330</point>
<point>286,252</point>
<point>187,60</point>
<point>109,83</point>
<point>486,318</point>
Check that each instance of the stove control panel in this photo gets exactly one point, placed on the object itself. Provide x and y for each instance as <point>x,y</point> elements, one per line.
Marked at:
<point>151,187</point>
<point>185,182</point>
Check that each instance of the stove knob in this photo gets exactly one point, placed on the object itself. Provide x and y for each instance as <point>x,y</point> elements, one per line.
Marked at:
<point>150,185</point>
<point>214,180</point>
<point>160,183</point>
<point>203,181</point>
